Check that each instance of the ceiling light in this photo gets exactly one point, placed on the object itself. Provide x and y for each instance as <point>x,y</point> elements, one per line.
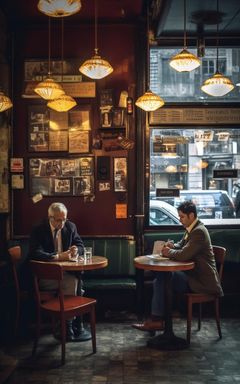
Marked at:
<point>96,67</point>
<point>63,104</point>
<point>48,89</point>
<point>218,85</point>
<point>5,102</point>
<point>184,61</point>
<point>149,101</point>
<point>59,8</point>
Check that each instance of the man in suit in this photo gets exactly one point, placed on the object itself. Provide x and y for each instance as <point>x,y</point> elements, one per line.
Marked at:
<point>195,246</point>
<point>56,238</point>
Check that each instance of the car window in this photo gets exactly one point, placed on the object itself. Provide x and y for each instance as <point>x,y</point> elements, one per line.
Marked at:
<point>158,217</point>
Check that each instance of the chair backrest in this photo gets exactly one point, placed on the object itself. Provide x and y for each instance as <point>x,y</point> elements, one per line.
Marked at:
<point>50,271</point>
<point>15,256</point>
<point>46,270</point>
<point>219,254</point>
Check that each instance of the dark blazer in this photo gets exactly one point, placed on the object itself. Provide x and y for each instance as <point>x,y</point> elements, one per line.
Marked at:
<point>41,245</point>
<point>196,246</point>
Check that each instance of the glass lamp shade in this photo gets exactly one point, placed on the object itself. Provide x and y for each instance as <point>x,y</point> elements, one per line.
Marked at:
<point>59,8</point>
<point>63,104</point>
<point>184,61</point>
<point>48,89</point>
<point>218,85</point>
<point>5,102</point>
<point>96,68</point>
<point>149,101</point>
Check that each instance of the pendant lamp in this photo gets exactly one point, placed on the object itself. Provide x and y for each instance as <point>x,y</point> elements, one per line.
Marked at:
<point>59,8</point>
<point>149,101</point>
<point>184,61</point>
<point>96,67</point>
<point>5,102</point>
<point>218,85</point>
<point>63,103</point>
<point>48,89</point>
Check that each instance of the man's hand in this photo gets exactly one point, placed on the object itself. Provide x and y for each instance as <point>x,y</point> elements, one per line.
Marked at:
<point>165,251</point>
<point>64,256</point>
<point>74,251</point>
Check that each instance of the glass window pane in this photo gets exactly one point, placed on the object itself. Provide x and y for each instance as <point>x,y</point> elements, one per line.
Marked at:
<point>181,87</point>
<point>186,160</point>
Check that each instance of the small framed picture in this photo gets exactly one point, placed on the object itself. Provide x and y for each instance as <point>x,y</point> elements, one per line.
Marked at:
<point>118,117</point>
<point>120,174</point>
<point>17,181</point>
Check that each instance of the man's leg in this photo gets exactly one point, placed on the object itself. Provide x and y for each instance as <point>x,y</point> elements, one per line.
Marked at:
<point>156,322</point>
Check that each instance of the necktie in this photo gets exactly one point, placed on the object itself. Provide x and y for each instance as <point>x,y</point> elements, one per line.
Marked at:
<point>55,240</point>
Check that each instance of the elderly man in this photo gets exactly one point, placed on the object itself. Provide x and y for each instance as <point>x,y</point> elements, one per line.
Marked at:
<point>196,246</point>
<point>56,238</point>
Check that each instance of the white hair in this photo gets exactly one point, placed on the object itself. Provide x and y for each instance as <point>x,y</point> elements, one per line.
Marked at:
<point>56,207</point>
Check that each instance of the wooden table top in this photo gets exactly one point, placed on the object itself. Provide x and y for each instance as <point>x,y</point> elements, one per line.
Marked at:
<point>96,263</point>
<point>154,264</point>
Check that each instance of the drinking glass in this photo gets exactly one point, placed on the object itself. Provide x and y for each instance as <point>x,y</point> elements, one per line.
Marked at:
<point>87,254</point>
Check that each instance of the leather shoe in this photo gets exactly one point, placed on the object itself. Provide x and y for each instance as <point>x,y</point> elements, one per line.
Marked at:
<point>150,325</point>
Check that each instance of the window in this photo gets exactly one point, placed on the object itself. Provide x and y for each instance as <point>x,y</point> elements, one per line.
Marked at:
<point>185,161</point>
<point>174,86</point>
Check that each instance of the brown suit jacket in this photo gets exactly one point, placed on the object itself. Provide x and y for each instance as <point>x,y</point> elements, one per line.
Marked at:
<point>198,248</point>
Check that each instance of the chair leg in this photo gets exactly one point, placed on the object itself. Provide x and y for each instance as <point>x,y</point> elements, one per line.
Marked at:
<point>199,316</point>
<point>93,328</point>
<point>189,321</point>
<point>16,325</point>
<point>217,315</point>
<point>63,340</point>
<point>37,335</point>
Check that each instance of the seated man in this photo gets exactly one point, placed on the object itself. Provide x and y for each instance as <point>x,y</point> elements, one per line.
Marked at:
<point>56,238</point>
<point>195,246</point>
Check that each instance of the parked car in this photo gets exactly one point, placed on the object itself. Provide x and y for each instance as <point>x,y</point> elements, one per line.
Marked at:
<point>162,213</point>
<point>211,204</point>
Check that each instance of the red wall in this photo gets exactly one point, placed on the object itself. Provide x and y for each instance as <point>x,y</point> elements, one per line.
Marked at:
<point>117,44</point>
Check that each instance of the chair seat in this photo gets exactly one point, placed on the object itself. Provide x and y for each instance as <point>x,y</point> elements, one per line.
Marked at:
<point>70,303</point>
<point>200,297</point>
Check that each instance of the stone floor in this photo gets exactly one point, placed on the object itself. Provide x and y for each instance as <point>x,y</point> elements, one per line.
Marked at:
<point>122,357</point>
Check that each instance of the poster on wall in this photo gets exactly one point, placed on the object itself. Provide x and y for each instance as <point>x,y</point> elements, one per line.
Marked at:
<point>120,174</point>
<point>54,177</point>
<point>51,131</point>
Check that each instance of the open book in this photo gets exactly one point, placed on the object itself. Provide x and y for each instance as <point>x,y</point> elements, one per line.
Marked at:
<point>157,247</point>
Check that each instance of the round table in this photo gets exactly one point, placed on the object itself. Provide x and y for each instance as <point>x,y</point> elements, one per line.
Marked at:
<point>97,262</point>
<point>168,340</point>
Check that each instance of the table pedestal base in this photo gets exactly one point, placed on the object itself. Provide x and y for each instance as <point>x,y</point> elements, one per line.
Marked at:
<point>167,342</point>
<point>83,335</point>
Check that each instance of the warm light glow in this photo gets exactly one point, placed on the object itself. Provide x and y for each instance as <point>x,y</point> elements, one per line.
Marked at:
<point>63,104</point>
<point>48,89</point>
<point>59,8</point>
<point>96,68</point>
<point>184,61</point>
<point>5,102</point>
<point>218,85</point>
<point>149,101</point>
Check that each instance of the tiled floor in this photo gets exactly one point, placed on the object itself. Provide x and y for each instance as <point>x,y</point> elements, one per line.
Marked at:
<point>122,357</point>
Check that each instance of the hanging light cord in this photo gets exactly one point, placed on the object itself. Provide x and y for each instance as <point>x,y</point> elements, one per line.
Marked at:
<point>62,34</point>
<point>49,45</point>
<point>184,27</point>
<point>217,33</point>
<point>95,22</point>
<point>148,52</point>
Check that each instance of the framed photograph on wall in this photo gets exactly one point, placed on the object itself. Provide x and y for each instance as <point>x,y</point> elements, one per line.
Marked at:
<point>79,118</point>
<point>54,176</point>
<point>120,174</point>
<point>51,131</point>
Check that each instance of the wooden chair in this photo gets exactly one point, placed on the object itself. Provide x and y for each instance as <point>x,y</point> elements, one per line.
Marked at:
<point>21,295</point>
<point>62,307</point>
<point>200,298</point>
